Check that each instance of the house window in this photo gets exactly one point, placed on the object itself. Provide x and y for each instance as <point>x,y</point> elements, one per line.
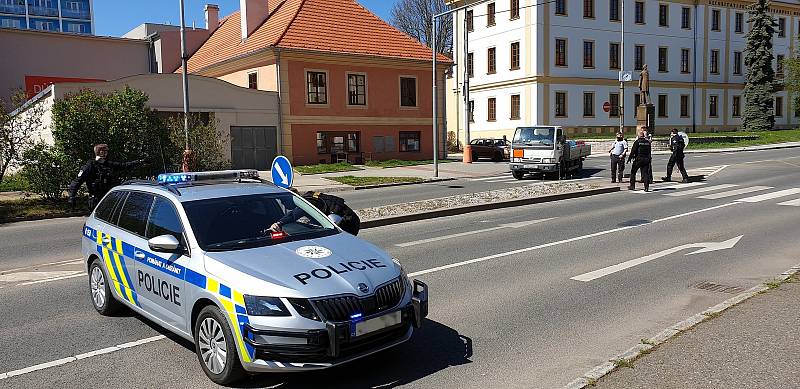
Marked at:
<point>410,141</point>
<point>684,106</point>
<point>252,80</point>
<point>588,104</point>
<point>738,23</point>
<point>561,52</point>
<point>686,18</point>
<point>561,104</point>
<point>779,106</point>
<point>491,109</point>
<point>613,55</point>
<point>613,10</point>
<point>737,63</point>
<point>515,56</point>
<point>490,15</point>
<point>470,66</point>
<point>356,89</point>
<point>515,107</point>
<point>782,27</point>
<point>779,65</point>
<point>408,92</point>
<point>337,142</point>
<point>472,111</point>
<point>588,9</point>
<point>638,57</point>
<point>588,54</point>
<point>684,60</point>
<point>663,15</point>
<point>561,7</point>
<point>662,59</point>
<point>491,60</point>
<point>712,106</point>
<point>714,61</point>
<point>638,12</point>
<point>613,100</point>
<point>470,21</point>
<point>317,87</point>
<point>737,106</point>
<point>514,9</point>
<point>715,17</point>
<point>663,107</point>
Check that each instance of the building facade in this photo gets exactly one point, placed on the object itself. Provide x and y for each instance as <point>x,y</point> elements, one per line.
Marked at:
<point>557,63</point>
<point>75,16</point>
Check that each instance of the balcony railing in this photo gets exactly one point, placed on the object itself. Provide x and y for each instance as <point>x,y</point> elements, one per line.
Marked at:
<point>75,14</point>
<point>43,11</point>
<point>13,9</point>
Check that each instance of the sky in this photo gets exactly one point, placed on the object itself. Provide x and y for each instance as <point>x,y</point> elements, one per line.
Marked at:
<point>116,17</point>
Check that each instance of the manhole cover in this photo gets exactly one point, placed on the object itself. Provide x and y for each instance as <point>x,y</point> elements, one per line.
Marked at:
<point>714,287</point>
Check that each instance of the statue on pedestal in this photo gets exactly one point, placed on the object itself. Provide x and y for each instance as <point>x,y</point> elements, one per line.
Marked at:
<point>644,86</point>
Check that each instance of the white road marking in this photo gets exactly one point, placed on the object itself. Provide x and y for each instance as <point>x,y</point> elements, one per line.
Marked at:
<point>40,265</point>
<point>75,262</point>
<point>565,241</point>
<point>719,169</point>
<point>490,178</point>
<point>734,192</point>
<point>460,234</point>
<point>701,190</point>
<point>771,195</point>
<point>36,275</point>
<point>669,188</point>
<point>793,203</point>
<point>80,274</point>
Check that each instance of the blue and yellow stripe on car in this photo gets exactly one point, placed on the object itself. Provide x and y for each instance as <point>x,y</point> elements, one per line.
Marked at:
<point>116,268</point>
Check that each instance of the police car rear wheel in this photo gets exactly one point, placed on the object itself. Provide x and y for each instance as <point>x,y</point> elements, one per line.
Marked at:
<point>216,347</point>
<point>100,290</point>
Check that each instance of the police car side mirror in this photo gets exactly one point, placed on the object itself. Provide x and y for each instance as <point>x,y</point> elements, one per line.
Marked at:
<point>165,244</point>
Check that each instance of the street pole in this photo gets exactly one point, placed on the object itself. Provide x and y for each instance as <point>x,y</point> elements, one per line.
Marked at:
<point>187,152</point>
<point>435,103</point>
<point>622,65</point>
<point>466,81</point>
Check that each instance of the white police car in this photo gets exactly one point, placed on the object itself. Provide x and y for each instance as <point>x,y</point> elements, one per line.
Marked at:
<point>194,253</point>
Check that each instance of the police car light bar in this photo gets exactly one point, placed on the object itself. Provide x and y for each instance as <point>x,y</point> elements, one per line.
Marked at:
<point>228,175</point>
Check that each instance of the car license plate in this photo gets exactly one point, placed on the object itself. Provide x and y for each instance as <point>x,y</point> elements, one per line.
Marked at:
<point>378,323</point>
<point>530,166</point>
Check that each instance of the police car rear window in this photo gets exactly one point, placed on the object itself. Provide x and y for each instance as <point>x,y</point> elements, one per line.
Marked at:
<point>135,212</point>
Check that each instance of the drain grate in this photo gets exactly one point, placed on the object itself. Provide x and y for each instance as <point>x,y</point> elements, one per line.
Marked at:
<point>714,287</point>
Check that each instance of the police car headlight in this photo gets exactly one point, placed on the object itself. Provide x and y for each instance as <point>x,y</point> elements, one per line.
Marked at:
<point>265,306</point>
<point>403,273</point>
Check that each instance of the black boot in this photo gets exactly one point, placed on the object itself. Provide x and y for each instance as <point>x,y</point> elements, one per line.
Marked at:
<point>666,179</point>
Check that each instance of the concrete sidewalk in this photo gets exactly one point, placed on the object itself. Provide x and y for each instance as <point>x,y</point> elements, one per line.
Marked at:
<point>751,345</point>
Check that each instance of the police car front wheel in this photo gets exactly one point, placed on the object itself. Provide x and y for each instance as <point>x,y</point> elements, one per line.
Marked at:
<point>216,347</point>
<point>100,290</point>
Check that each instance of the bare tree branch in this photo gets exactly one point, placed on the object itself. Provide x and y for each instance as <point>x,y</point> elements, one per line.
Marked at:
<point>17,131</point>
<point>414,17</point>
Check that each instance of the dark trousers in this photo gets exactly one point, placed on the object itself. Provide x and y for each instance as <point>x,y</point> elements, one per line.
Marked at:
<point>643,165</point>
<point>676,160</point>
<point>351,223</point>
<point>617,167</point>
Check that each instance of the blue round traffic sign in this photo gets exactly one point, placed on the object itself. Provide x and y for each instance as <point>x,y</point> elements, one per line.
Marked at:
<point>282,174</point>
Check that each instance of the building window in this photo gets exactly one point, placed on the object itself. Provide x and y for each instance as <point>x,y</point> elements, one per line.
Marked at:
<point>638,12</point>
<point>472,111</point>
<point>514,9</point>
<point>561,52</point>
<point>715,17</point>
<point>470,21</point>
<point>588,54</point>
<point>491,109</point>
<point>408,92</point>
<point>410,141</point>
<point>588,9</point>
<point>613,56</point>
<point>737,63</point>
<point>779,65</point>
<point>338,142</point>
<point>613,10</point>
<point>779,106</point>
<point>714,61</point>
<point>317,87</point>
<point>638,57</point>
<point>686,18</point>
<point>491,60</point>
<point>782,27</point>
<point>637,100</point>
<point>613,100</point>
<point>561,7</point>
<point>470,65</point>
<point>252,80</point>
<point>515,107</point>
<point>490,15</point>
<point>561,104</point>
<point>356,89</point>
<point>663,15</point>
<point>684,106</point>
<point>663,107</point>
<point>322,143</point>
<point>588,104</point>
<point>662,59</point>
<point>737,106</point>
<point>712,106</point>
<point>515,56</point>
<point>685,61</point>
<point>738,23</point>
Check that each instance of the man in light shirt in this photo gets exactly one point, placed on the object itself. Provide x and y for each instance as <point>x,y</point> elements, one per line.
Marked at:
<point>618,152</point>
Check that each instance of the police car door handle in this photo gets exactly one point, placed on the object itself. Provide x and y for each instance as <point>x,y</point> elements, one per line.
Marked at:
<point>139,255</point>
<point>106,239</point>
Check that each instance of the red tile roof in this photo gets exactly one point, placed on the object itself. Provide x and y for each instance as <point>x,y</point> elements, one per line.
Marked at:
<point>332,26</point>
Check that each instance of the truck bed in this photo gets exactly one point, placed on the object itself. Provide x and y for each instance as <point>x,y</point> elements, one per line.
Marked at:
<point>577,151</point>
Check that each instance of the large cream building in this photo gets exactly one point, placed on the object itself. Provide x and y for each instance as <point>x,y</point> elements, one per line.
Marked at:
<point>557,63</point>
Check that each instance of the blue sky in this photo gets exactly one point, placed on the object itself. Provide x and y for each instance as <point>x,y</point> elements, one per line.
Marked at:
<point>116,17</point>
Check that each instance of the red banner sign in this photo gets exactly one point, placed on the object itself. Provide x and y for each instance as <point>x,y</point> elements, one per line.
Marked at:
<point>36,84</point>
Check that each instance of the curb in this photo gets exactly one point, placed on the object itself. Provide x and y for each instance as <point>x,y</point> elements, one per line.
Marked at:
<point>647,345</point>
<point>776,146</point>
<point>34,218</point>
<point>483,207</point>
<point>401,184</point>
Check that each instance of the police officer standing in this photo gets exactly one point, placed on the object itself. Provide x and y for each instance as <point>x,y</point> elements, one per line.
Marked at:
<point>676,145</point>
<point>641,155</point>
<point>329,205</point>
<point>99,176</point>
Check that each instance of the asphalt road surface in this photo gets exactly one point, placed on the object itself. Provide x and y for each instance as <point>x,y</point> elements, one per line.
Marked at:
<point>530,296</point>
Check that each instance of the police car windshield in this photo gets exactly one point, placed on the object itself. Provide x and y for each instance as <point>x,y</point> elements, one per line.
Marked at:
<point>530,136</point>
<point>240,222</point>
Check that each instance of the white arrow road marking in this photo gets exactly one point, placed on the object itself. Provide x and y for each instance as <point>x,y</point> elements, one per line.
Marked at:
<point>284,178</point>
<point>460,234</point>
<point>704,248</point>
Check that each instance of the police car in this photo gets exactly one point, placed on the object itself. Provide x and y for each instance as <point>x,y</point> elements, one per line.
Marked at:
<point>194,252</point>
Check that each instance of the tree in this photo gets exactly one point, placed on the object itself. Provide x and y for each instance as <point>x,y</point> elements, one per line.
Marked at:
<point>17,131</point>
<point>414,17</point>
<point>207,144</point>
<point>759,114</point>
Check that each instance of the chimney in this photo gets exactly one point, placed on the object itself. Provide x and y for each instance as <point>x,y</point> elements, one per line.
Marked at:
<point>212,17</point>
<point>253,14</point>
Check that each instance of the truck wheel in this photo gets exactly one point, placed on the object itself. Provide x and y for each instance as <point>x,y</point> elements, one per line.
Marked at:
<point>518,175</point>
<point>100,290</point>
<point>216,347</point>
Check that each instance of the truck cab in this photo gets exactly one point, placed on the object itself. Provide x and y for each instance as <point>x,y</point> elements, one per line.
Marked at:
<point>545,150</point>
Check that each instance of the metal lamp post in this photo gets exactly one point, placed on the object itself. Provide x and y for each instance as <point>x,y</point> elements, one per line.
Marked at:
<point>187,152</point>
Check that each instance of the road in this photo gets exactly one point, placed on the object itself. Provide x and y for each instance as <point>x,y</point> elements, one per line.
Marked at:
<point>506,310</point>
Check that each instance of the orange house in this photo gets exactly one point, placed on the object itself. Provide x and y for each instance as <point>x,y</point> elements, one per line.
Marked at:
<point>351,86</point>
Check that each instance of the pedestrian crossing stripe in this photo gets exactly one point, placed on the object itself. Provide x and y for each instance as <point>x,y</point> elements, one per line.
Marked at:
<point>792,203</point>
<point>734,192</point>
<point>701,190</point>
<point>730,193</point>
<point>770,196</point>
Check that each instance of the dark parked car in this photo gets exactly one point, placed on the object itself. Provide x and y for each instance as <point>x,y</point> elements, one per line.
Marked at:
<point>495,149</point>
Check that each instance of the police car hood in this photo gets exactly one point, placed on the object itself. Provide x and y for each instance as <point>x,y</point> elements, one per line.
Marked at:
<point>310,268</point>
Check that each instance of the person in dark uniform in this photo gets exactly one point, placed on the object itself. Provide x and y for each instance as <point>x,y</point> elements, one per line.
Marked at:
<point>676,145</point>
<point>99,176</point>
<point>648,133</point>
<point>327,204</point>
<point>641,157</point>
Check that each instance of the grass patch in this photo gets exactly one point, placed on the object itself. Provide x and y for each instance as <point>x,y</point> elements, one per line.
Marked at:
<point>774,284</point>
<point>623,363</point>
<point>648,342</point>
<point>39,208</point>
<point>711,315</point>
<point>400,163</point>
<point>764,138</point>
<point>326,168</point>
<point>14,183</point>
<point>366,181</point>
